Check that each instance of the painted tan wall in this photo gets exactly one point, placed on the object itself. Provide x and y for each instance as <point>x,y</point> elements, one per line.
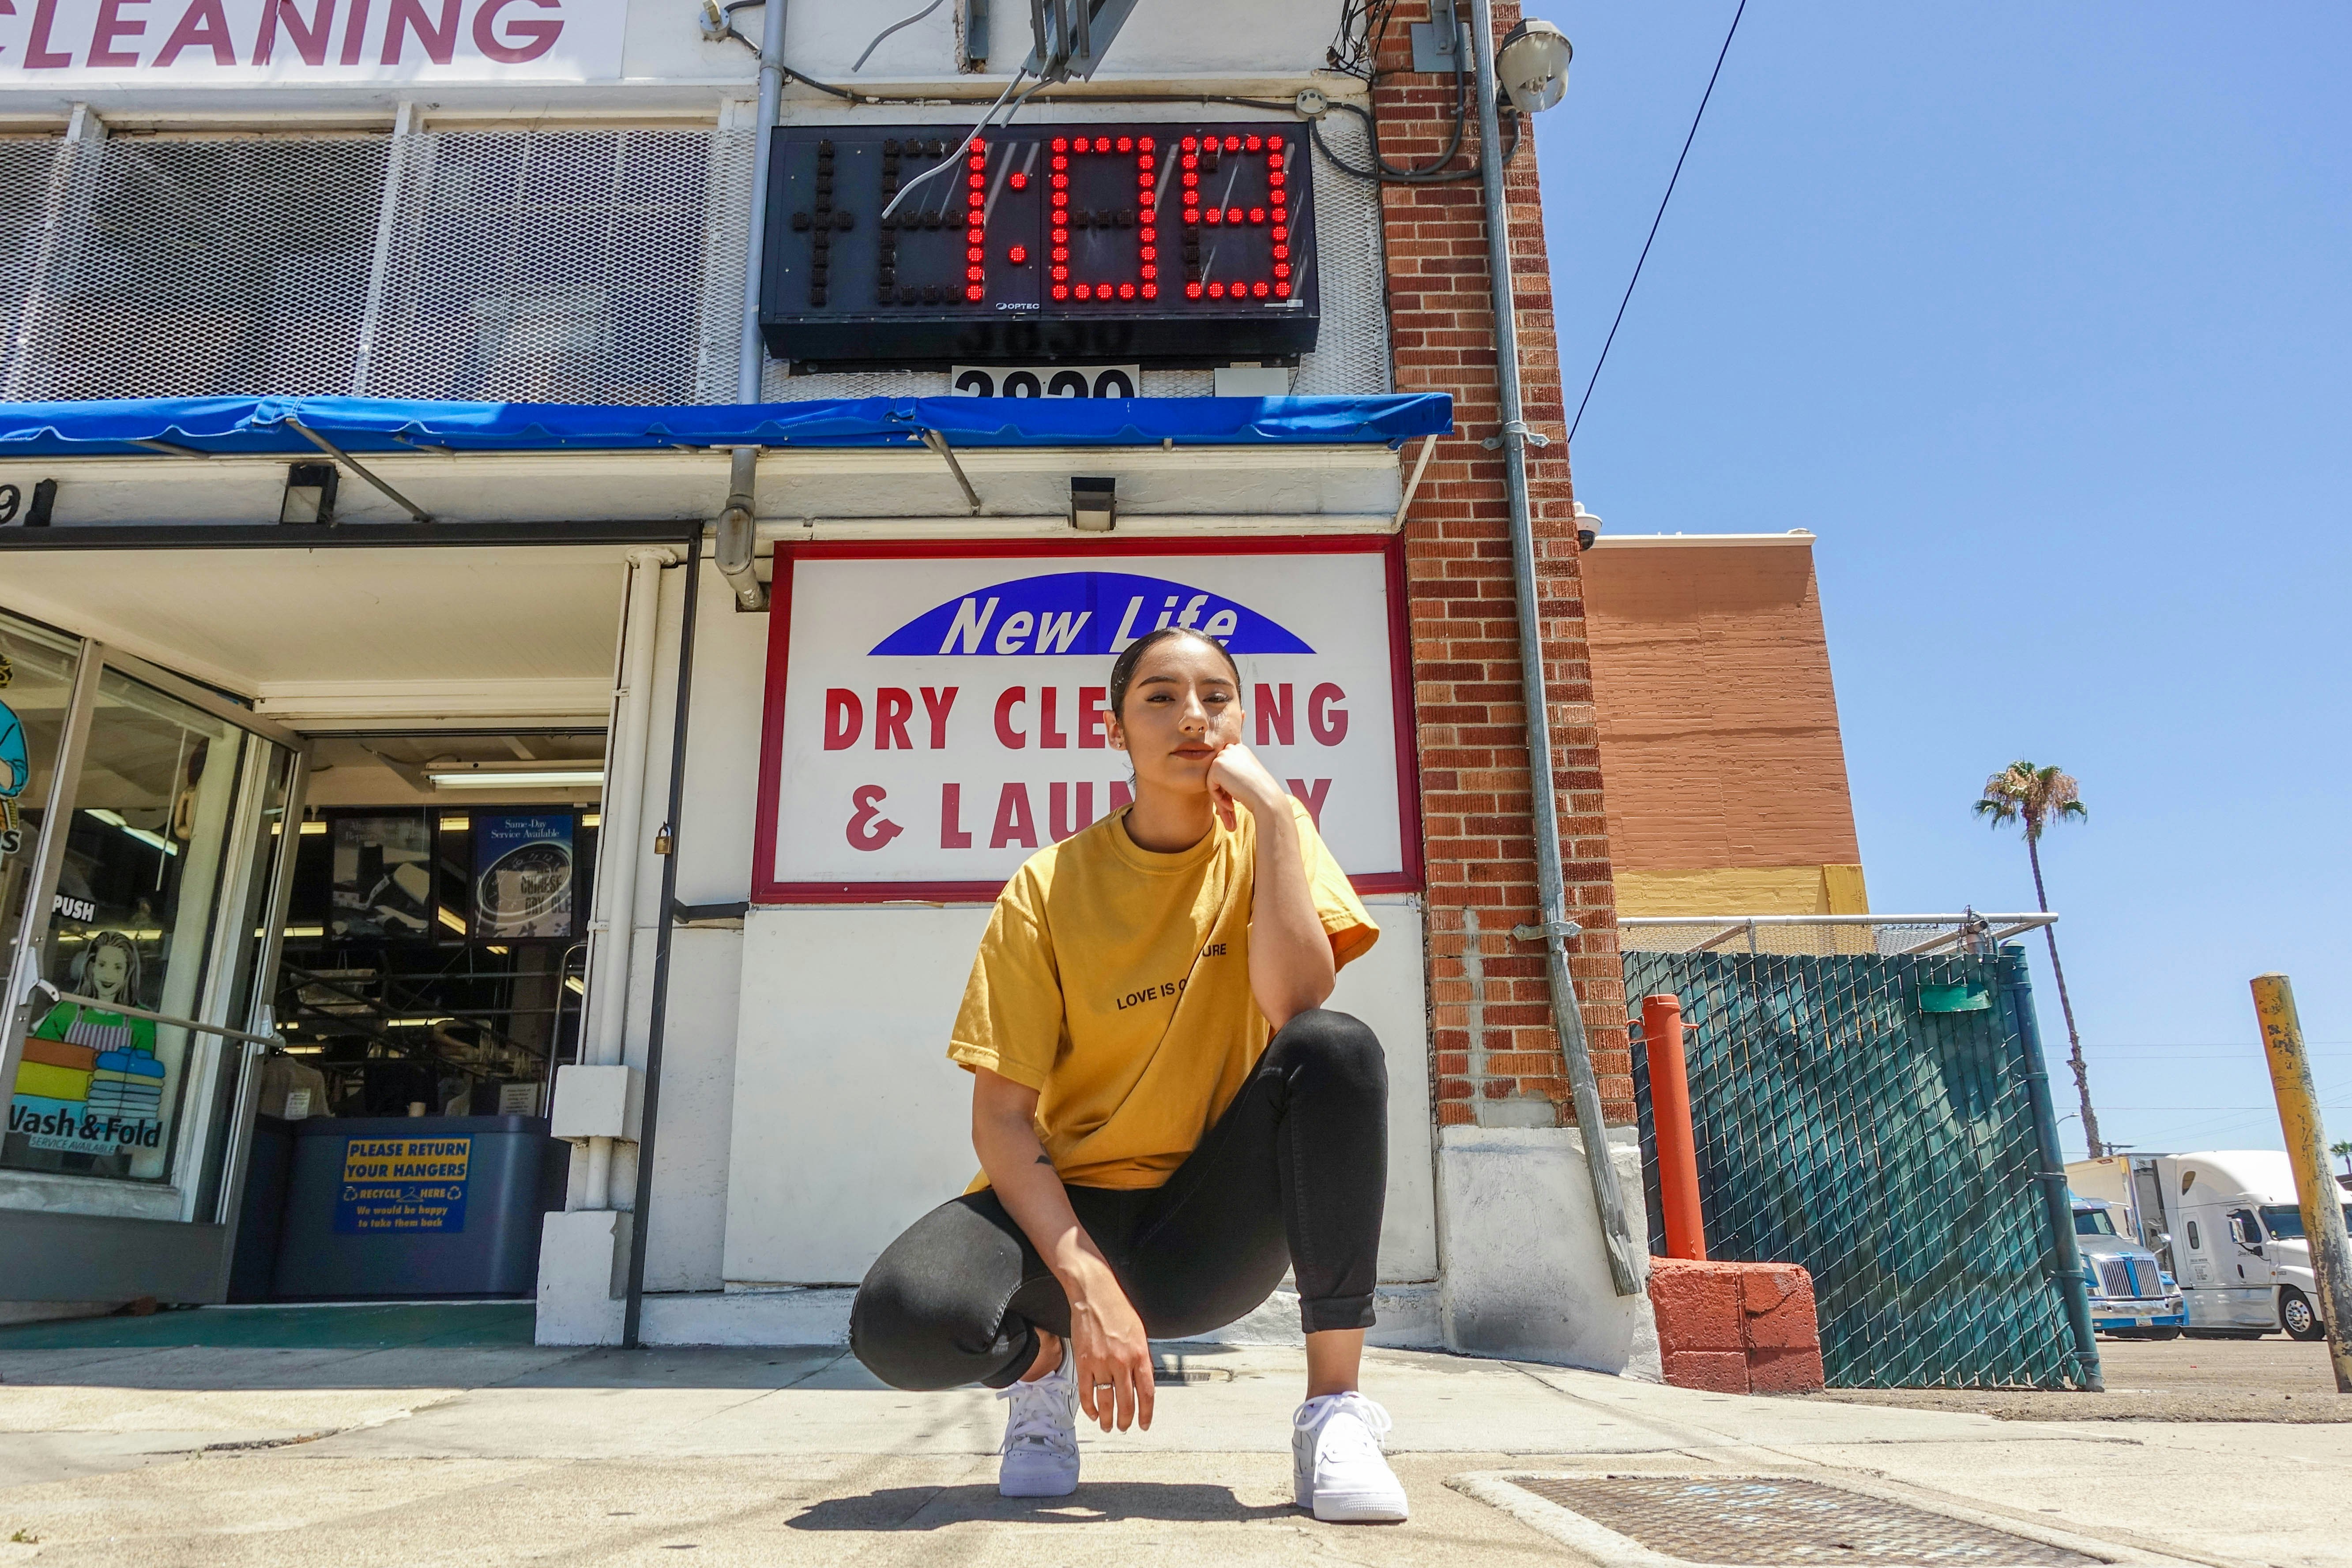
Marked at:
<point>1719,742</point>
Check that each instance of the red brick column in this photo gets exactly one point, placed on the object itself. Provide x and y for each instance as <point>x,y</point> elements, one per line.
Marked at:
<point>1479,847</point>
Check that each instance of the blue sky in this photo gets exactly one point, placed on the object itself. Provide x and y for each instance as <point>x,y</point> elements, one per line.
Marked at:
<point>2039,317</point>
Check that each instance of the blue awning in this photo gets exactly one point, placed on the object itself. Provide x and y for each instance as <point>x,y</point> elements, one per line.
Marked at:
<point>232,426</point>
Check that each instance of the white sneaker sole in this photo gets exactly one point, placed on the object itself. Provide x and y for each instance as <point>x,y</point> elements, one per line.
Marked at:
<point>1359,1507</point>
<point>1037,1485</point>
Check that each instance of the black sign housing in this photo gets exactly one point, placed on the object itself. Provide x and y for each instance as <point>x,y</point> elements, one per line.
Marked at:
<point>1163,245</point>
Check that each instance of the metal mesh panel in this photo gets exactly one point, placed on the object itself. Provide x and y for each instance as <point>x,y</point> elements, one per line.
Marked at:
<point>28,170</point>
<point>1885,936</point>
<point>552,267</point>
<point>1890,1150</point>
<point>202,267</point>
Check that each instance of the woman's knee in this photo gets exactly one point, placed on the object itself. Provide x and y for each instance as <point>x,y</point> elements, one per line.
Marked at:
<point>1335,1044</point>
<point>928,1313</point>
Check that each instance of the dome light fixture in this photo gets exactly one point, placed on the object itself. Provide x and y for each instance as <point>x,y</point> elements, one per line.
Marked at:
<point>1532,66</point>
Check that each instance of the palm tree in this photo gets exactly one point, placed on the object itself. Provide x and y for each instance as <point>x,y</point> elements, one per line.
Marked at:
<point>2037,798</point>
<point>2343,1152</point>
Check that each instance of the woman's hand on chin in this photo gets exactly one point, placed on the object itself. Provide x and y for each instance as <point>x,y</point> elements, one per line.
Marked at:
<point>1110,1356</point>
<point>1236,775</point>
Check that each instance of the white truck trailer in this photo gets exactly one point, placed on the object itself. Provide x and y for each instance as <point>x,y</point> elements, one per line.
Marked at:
<point>2225,1223</point>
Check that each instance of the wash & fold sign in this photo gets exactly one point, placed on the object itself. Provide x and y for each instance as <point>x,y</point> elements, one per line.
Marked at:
<point>935,719</point>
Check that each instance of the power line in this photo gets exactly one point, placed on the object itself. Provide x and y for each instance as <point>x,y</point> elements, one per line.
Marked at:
<point>1657,220</point>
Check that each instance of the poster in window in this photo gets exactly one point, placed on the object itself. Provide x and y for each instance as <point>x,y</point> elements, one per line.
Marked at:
<point>383,876</point>
<point>522,876</point>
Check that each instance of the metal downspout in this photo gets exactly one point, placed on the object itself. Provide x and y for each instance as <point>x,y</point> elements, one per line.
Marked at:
<point>633,1312</point>
<point>749,361</point>
<point>1625,1263</point>
<point>623,836</point>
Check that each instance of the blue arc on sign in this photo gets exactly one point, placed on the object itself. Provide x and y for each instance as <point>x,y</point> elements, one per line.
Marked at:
<point>1082,613</point>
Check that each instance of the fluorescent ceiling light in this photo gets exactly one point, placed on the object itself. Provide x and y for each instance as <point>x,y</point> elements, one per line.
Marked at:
<point>113,819</point>
<point>449,918</point>
<point>544,778</point>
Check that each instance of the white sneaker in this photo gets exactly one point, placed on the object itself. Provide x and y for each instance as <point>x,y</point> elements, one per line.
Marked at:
<point>1041,1435</point>
<point>1337,1468</point>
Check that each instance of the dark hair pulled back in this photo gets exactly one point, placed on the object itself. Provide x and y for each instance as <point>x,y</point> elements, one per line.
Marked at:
<point>1122,671</point>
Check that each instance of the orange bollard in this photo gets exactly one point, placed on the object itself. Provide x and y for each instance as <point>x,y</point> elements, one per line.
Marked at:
<point>1670,1115</point>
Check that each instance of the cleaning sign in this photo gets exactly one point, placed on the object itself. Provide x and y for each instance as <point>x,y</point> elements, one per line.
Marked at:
<point>936,716</point>
<point>403,1184</point>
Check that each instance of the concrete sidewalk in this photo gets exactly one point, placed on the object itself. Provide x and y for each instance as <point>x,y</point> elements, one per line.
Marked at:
<point>430,1449</point>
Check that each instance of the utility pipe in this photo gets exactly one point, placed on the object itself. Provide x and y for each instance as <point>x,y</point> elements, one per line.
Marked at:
<point>620,842</point>
<point>738,534</point>
<point>2321,1199</point>
<point>748,360</point>
<point>1555,929</point>
<point>1670,1114</point>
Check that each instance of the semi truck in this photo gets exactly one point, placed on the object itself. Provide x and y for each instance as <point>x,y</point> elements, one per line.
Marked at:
<point>2226,1225</point>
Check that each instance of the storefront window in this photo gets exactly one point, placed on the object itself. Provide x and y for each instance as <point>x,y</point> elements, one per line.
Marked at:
<point>132,926</point>
<point>37,675</point>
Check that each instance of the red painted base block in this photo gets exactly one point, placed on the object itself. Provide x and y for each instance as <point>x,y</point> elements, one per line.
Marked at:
<point>1737,1328</point>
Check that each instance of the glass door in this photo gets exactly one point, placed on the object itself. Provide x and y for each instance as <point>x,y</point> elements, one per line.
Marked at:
<point>139,928</point>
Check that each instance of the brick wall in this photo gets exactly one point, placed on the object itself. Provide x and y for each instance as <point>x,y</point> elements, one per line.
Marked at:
<point>1480,849</point>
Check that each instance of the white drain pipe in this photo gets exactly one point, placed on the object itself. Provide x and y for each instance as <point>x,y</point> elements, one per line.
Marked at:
<point>620,842</point>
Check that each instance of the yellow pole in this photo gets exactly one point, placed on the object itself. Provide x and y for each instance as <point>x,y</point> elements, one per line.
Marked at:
<point>2314,1184</point>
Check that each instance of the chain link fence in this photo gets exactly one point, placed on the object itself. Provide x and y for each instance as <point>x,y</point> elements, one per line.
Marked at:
<point>1873,1117</point>
<point>1824,935</point>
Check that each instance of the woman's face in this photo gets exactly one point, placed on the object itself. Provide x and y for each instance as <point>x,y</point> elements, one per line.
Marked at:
<point>1182,709</point>
<point>109,967</point>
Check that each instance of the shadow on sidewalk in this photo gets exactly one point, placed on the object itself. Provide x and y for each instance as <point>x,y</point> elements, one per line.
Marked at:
<point>935,1507</point>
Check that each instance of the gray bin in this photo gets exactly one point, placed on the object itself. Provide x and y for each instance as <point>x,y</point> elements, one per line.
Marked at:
<point>403,1206</point>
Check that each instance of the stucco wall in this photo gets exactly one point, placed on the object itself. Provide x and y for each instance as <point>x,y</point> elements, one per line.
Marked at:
<point>1718,725</point>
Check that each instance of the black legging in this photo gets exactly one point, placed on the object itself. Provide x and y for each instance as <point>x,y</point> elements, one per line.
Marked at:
<point>1292,1175</point>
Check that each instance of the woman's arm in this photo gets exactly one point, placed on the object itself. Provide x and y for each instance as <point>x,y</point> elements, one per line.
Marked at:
<point>1291,965</point>
<point>1108,1345</point>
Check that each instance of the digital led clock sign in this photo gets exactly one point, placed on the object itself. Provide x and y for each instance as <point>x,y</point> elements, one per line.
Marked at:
<point>1160,244</point>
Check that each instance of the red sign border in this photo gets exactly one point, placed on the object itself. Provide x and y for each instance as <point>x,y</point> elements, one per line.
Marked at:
<point>767,891</point>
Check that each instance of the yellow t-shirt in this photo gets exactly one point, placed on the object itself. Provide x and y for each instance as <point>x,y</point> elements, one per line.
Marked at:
<point>1115,981</point>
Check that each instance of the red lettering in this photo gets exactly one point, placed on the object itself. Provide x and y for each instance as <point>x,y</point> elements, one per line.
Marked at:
<point>936,705</point>
<point>355,33</point>
<point>1120,795</point>
<point>868,829</point>
<point>1274,714</point>
<point>204,23</point>
<point>1327,721</point>
<point>844,716</point>
<point>1049,699</point>
<point>892,707</point>
<point>1006,734</point>
<point>952,833</point>
<point>1312,794</point>
<point>1090,717</point>
<point>113,25</point>
<point>309,42</point>
<point>1015,824</point>
<point>538,37</point>
<point>1058,809</point>
<point>408,15</point>
<point>38,55</point>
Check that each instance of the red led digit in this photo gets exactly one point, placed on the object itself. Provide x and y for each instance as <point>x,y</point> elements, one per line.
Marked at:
<point>1061,253</point>
<point>1191,290</point>
<point>1233,214</point>
<point>1280,234</point>
<point>1282,269</point>
<point>1061,290</point>
<point>1282,253</point>
<point>1258,214</point>
<point>972,291</point>
<point>1192,142</point>
<point>1146,142</point>
<point>976,254</point>
<point>1019,182</point>
<point>1191,181</point>
<point>1282,290</point>
<point>1126,143</point>
<point>1060,273</point>
<point>973,236</point>
<point>1233,143</point>
<point>1258,290</point>
<point>1212,214</point>
<point>1192,215</point>
<point>1152,290</point>
<point>1127,290</point>
<point>1017,254</point>
<point>1254,144</point>
<point>1274,179</point>
<point>1147,234</point>
<point>1274,143</point>
<point>1147,270</point>
<point>1146,160</point>
<point>1085,292</point>
<point>1061,182</point>
<point>1216,291</point>
<point>1147,253</point>
<point>974,274</point>
<point>1061,144</point>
